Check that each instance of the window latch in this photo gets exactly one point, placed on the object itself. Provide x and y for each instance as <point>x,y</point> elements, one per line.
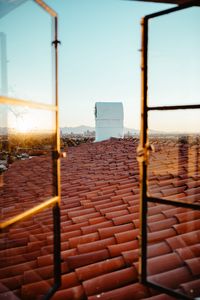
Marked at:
<point>143,152</point>
<point>56,154</point>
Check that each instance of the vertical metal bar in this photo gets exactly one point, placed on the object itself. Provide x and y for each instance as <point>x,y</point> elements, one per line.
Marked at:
<point>143,162</point>
<point>56,170</point>
<point>57,112</point>
<point>57,246</point>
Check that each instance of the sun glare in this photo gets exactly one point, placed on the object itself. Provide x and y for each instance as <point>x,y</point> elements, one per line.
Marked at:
<point>23,126</point>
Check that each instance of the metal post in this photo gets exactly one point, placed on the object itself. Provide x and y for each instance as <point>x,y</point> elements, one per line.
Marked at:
<point>56,209</point>
<point>56,152</point>
<point>143,161</point>
<point>57,246</point>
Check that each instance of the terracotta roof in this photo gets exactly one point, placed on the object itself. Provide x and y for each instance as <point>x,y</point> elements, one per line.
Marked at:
<point>100,224</point>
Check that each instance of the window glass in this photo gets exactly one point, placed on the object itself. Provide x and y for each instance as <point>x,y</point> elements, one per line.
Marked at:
<point>173,58</point>
<point>26,257</point>
<point>173,248</point>
<point>27,139</point>
<point>26,54</point>
<point>174,163</point>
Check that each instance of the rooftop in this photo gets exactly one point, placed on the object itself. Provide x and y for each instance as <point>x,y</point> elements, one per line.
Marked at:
<point>100,223</point>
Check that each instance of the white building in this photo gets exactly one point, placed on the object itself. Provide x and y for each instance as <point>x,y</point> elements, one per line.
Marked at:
<point>109,120</point>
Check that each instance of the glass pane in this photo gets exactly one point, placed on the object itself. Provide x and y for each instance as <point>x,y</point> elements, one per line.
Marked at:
<point>26,54</point>
<point>27,138</point>
<point>26,258</point>
<point>174,58</point>
<point>173,248</point>
<point>174,163</point>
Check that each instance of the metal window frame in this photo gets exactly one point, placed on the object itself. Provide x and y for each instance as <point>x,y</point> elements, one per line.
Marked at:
<point>53,202</point>
<point>143,151</point>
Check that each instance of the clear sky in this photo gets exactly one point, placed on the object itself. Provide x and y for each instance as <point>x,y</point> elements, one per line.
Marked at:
<point>99,59</point>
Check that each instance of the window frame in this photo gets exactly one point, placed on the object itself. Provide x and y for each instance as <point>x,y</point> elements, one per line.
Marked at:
<point>53,202</point>
<point>143,153</point>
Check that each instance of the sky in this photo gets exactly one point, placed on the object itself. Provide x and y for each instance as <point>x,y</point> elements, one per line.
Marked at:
<point>99,59</point>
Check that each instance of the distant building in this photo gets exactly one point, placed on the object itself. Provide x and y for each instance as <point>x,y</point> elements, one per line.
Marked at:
<point>109,120</point>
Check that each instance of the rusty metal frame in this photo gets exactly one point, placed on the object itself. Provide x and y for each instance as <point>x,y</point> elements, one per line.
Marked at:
<point>53,202</point>
<point>143,152</point>
<point>21,102</point>
<point>28,213</point>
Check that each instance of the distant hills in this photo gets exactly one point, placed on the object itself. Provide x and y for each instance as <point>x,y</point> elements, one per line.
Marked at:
<point>77,130</point>
<point>83,129</point>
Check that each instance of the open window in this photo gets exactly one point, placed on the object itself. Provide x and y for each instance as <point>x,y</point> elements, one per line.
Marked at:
<point>169,148</point>
<point>29,136</point>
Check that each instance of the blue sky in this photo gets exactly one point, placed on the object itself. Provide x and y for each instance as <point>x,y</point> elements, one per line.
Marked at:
<point>99,59</point>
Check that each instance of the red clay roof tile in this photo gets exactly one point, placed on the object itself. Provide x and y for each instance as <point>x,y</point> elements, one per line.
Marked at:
<point>4,244</point>
<point>115,214</point>
<point>17,269</point>
<point>156,218</point>
<point>194,265</point>
<point>187,216</point>
<point>105,204</point>
<point>29,291</point>
<point>45,260</point>
<point>110,231</point>
<point>193,184</point>
<point>97,245</point>
<point>135,290</point>
<point>189,252</point>
<point>38,274</point>
<point>85,217</point>
<point>83,239</point>
<point>100,268</point>
<point>160,297</point>
<point>191,288</point>
<point>158,249</point>
<point>110,281</point>
<point>187,227</point>
<point>74,293</point>
<point>97,220</point>
<point>123,237</point>
<point>80,260</point>
<point>192,198</point>
<point>124,219</point>
<point>80,212</point>
<point>193,191</point>
<point>75,226</point>
<point>167,279</point>
<point>173,211</point>
<point>156,209</point>
<point>13,282</point>
<point>163,224</point>
<point>96,227</point>
<point>163,263</point>
<point>173,191</point>
<point>158,236</point>
<point>100,183</point>
<point>69,280</point>
<point>184,240</point>
<point>67,235</point>
<point>115,208</point>
<point>130,256</point>
<point>116,250</point>
<point>9,295</point>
